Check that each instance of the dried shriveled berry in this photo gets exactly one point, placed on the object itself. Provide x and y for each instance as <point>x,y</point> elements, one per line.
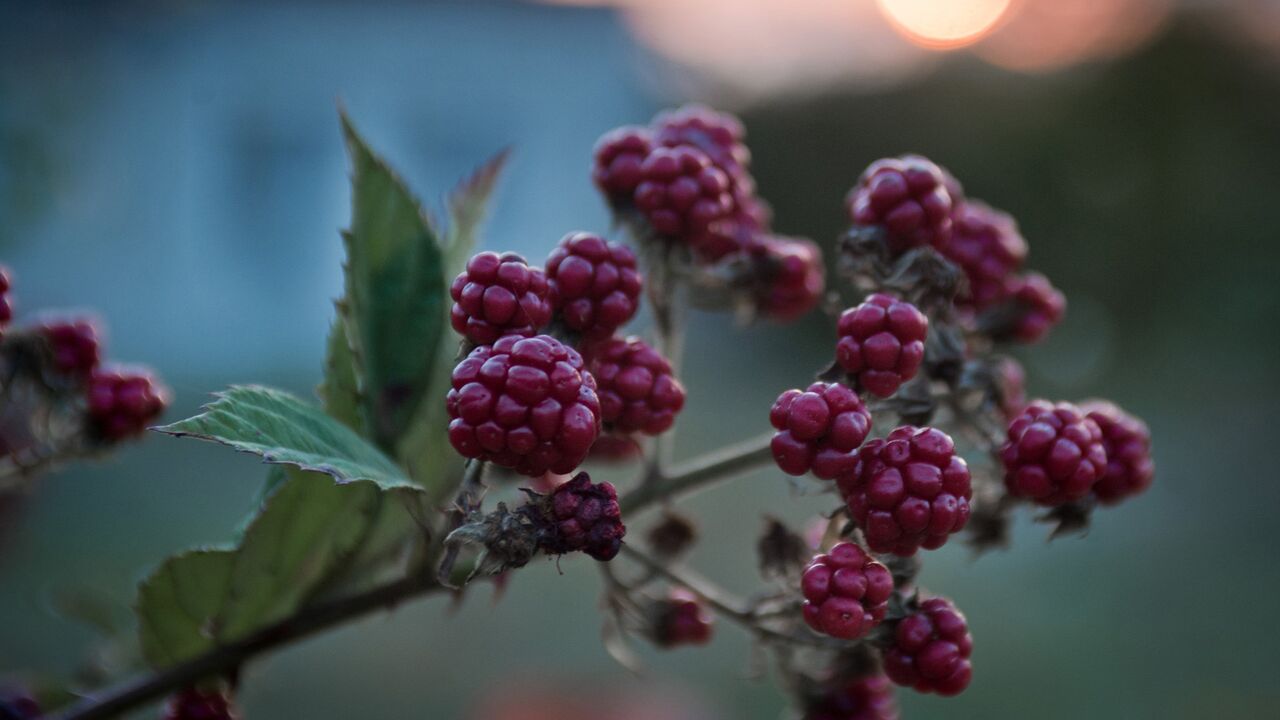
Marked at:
<point>1054,454</point>
<point>499,295</point>
<point>819,430</point>
<point>524,403</point>
<point>881,343</point>
<point>584,516</point>
<point>846,592</point>
<point>909,490</point>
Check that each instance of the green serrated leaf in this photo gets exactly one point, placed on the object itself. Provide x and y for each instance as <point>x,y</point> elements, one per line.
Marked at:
<point>340,389</point>
<point>424,448</point>
<point>283,429</point>
<point>396,291</point>
<point>308,530</point>
<point>178,604</point>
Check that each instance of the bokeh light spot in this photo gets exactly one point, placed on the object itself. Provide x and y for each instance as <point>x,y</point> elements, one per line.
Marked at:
<point>944,24</point>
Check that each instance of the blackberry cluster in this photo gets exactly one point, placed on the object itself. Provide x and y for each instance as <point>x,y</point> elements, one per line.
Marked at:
<point>74,344</point>
<point>930,650</point>
<point>881,343</point>
<point>584,516</point>
<point>196,704</point>
<point>908,198</point>
<point>1054,454</point>
<point>869,697</point>
<point>595,286</point>
<point>638,392</point>
<point>846,592</point>
<point>819,430</point>
<point>682,619</point>
<point>123,402</point>
<point>1127,442</point>
<point>499,295</point>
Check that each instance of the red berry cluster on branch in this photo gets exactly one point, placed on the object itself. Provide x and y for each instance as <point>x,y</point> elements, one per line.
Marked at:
<point>931,649</point>
<point>595,285</point>
<point>1054,454</point>
<point>638,392</point>
<point>1127,442</point>
<point>122,401</point>
<point>74,343</point>
<point>499,295</point>
<point>907,197</point>
<point>881,343</point>
<point>819,430</point>
<point>682,619</point>
<point>869,697</point>
<point>846,592</point>
<point>6,305</point>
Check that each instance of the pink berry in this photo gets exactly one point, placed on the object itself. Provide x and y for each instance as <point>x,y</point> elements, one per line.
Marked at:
<point>908,198</point>
<point>525,404</point>
<point>1128,444</point>
<point>792,279</point>
<point>6,306</point>
<point>881,343</point>
<point>618,156</point>
<point>615,447</point>
<point>845,592</point>
<point>987,246</point>
<point>931,649</point>
<point>909,490</point>
<point>683,193</point>
<point>195,704</point>
<point>74,344</point>
<point>499,295</point>
<point>717,134</point>
<point>1054,454</point>
<point>1042,307</point>
<point>638,392</point>
<point>595,285</point>
<point>865,698</point>
<point>585,516</point>
<point>123,402</point>
<point>682,619</point>
<point>819,430</point>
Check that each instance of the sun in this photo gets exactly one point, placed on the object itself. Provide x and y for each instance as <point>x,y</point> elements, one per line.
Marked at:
<point>944,24</point>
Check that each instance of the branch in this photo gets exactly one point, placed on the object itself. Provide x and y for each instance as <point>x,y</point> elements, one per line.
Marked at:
<point>694,474</point>
<point>227,658</point>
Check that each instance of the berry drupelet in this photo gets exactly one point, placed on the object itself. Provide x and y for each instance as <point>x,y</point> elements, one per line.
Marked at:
<point>1127,441</point>
<point>525,404</point>
<point>595,286</point>
<point>638,392</point>
<point>881,343</point>
<point>1054,454</point>
<point>499,295</point>
<point>908,198</point>
<point>846,592</point>
<point>931,649</point>
<point>819,430</point>
<point>909,490</point>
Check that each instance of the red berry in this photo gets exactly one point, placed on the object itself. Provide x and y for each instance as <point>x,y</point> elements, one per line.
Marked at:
<point>819,430</point>
<point>617,158</point>
<point>881,343</point>
<point>931,649</point>
<point>907,197</point>
<point>717,134</point>
<point>987,246</point>
<point>865,698</point>
<point>1053,455</point>
<point>908,491</point>
<point>615,447</point>
<point>499,295</point>
<point>1043,306</point>
<point>195,704</point>
<point>6,308</point>
<point>74,344</point>
<point>637,391</point>
<point>683,193</point>
<point>1128,444</point>
<point>585,516</point>
<point>123,402</point>
<point>846,592</point>
<point>595,285</point>
<point>792,277</point>
<point>682,619</point>
<point>525,404</point>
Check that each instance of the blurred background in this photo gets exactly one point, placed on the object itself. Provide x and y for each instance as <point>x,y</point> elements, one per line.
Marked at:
<point>177,166</point>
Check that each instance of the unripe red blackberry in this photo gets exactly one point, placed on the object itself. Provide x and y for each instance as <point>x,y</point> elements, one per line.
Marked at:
<point>792,278</point>
<point>987,246</point>
<point>819,430</point>
<point>881,343</point>
<point>499,295</point>
<point>1128,444</point>
<point>122,402</point>
<point>6,306</point>
<point>846,592</point>
<point>866,698</point>
<point>682,193</point>
<point>1053,455</point>
<point>909,490</point>
<point>74,344</point>
<point>717,134</point>
<point>931,649</point>
<point>615,447</point>
<point>195,704</point>
<point>1042,305</point>
<point>638,392</point>
<point>595,286</point>
<point>907,197</point>
<point>682,619</point>
<point>524,403</point>
<point>617,157</point>
<point>584,516</point>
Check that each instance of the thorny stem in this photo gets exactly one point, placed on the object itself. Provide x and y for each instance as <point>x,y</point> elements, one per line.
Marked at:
<point>228,658</point>
<point>699,472</point>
